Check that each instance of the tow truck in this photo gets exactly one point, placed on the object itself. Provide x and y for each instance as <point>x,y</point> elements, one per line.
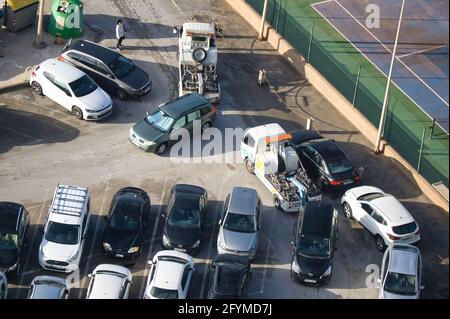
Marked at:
<point>267,153</point>
<point>198,59</point>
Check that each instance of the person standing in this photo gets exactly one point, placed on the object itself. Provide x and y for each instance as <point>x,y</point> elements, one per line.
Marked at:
<point>120,33</point>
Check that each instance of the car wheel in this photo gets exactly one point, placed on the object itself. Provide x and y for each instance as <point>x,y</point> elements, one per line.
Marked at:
<point>121,94</point>
<point>205,126</point>
<point>161,148</point>
<point>379,241</point>
<point>36,88</point>
<point>347,210</point>
<point>250,167</point>
<point>276,202</point>
<point>76,111</point>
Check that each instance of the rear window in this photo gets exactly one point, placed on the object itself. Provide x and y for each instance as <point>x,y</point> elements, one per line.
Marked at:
<point>405,229</point>
<point>162,293</point>
<point>339,165</point>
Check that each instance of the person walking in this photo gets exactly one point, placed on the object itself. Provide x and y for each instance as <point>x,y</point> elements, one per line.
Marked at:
<point>120,33</point>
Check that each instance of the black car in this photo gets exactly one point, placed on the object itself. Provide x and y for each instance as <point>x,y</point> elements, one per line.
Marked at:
<point>229,277</point>
<point>326,164</point>
<point>112,71</point>
<point>184,219</point>
<point>126,223</point>
<point>14,226</point>
<point>315,236</point>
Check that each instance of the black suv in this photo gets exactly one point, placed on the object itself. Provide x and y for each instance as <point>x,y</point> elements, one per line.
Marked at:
<point>230,277</point>
<point>14,226</point>
<point>126,223</point>
<point>112,71</point>
<point>315,236</point>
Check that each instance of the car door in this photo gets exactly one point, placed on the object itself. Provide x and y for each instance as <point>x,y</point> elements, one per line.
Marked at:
<point>180,124</point>
<point>366,211</point>
<point>248,147</point>
<point>185,281</point>
<point>308,154</point>
<point>191,117</point>
<point>58,91</point>
<point>89,65</point>
<point>125,289</point>
<point>105,78</point>
<point>384,270</point>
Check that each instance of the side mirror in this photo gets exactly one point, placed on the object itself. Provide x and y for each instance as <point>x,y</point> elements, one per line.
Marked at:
<point>422,287</point>
<point>109,76</point>
<point>175,30</point>
<point>220,222</point>
<point>163,215</point>
<point>148,113</point>
<point>379,281</point>
<point>358,204</point>
<point>292,243</point>
<point>90,276</point>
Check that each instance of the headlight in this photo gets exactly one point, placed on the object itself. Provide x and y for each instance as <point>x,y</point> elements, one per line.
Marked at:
<point>73,258</point>
<point>13,267</point>
<point>166,241</point>
<point>41,250</point>
<point>90,111</point>
<point>149,143</point>
<point>295,266</point>
<point>133,250</point>
<point>196,244</point>
<point>327,272</point>
<point>107,247</point>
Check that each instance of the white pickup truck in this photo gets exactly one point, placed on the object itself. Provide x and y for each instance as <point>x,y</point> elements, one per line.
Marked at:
<point>267,154</point>
<point>198,60</point>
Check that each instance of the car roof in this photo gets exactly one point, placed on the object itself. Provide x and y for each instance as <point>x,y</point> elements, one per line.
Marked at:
<point>263,131</point>
<point>9,215</point>
<point>63,71</point>
<point>183,105</point>
<point>404,261</point>
<point>328,149</point>
<point>93,49</point>
<point>243,201</point>
<point>393,210</point>
<point>169,274</point>
<point>108,281</point>
<point>318,218</point>
<point>228,278</point>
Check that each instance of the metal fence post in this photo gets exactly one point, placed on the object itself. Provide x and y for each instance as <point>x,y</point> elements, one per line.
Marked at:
<point>432,128</point>
<point>278,16</point>
<point>310,40</point>
<point>421,150</point>
<point>356,86</point>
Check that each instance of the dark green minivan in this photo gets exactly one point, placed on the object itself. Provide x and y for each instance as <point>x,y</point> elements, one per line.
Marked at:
<point>152,134</point>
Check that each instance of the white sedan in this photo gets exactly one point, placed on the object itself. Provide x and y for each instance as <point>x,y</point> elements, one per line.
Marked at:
<point>72,89</point>
<point>381,214</point>
<point>170,275</point>
<point>401,273</point>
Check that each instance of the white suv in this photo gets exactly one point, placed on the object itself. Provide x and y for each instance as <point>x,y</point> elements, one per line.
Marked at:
<point>170,275</point>
<point>381,214</point>
<point>66,229</point>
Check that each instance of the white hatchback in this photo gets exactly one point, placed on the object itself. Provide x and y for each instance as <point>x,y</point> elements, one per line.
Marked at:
<point>72,89</point>
<point>109,282</point>
<point>381,214</point>
<point>170,275</point>
<point>401,273</point>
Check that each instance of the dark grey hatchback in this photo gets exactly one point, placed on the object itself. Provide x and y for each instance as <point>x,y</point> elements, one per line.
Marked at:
<point>112,71</point>
<point>153,133</point>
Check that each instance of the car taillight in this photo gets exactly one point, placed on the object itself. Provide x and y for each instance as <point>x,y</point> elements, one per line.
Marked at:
<point>213,108</point>
<point>61,58</point>
<point>33,74</point>
<point>356,178</point>
<point>336,182</point>
<point>392,237</point>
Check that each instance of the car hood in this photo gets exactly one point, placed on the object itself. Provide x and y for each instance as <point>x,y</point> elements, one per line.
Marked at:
<point>97,100</point>
<point>185,237</point>
<point>313,266</point>
<point>8,257</point>
<point>136,79</point>
<point>146,131</point>
<point>119,239</point>
<point>59,252</point>
<point>238,241</point>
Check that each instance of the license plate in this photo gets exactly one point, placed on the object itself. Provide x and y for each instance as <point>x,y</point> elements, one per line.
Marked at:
<point>348,181</point>
<point>310,281</point>
<point>120,255</point>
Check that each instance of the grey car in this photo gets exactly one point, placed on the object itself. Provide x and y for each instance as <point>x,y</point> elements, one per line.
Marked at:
<point>49,287</point>
<point>240,223</point>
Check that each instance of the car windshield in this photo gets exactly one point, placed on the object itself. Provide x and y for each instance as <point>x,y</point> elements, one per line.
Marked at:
<point>405,229</point>
<point>314,246</point>
<point>160,120</point>
<point>126,215</point>
<point>64,234</point>
<point>400,284</point>
<point>8,240</point>
<point>185,214</point>
<point>121,66</point>
<point>339,165</point>
<point>162,293</point>
<point>83,86</point>
<point>240,223</point>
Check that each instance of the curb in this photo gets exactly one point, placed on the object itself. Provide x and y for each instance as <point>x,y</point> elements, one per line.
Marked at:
<point>13,87</point>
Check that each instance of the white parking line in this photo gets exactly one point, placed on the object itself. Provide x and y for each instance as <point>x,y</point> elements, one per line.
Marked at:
<point>176,6</point>
<point>263,282</point>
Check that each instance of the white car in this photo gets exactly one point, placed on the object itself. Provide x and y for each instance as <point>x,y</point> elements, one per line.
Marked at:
<point>109,282</point>
<point>49,287</point>
<point>72,89</point>
<point>3,286</point>
<point>401,273</point>
<point>381,214</point>
<point>66,229</point>
<point>170,275</point>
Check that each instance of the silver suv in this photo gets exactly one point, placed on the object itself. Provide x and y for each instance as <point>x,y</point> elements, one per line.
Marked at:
<point>240,223</point>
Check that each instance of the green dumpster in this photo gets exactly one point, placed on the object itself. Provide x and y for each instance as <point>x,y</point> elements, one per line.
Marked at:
<point>66,20</point>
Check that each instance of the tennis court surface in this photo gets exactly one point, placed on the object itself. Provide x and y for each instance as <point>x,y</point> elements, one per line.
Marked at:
<point>421,66</point>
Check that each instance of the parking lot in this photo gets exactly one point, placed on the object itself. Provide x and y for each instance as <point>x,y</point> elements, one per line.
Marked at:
<point>41,144</point>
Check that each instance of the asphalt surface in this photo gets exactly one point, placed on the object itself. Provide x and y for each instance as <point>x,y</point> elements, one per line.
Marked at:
<point>41,144</point>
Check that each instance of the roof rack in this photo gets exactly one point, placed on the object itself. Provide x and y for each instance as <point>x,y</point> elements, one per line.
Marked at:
<point>69,200</point>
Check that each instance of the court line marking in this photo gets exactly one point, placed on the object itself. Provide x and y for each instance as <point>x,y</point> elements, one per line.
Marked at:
<point>422,51</point>
<point>381,71</point>
<point>396,57</point>
<point>176,6</point>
